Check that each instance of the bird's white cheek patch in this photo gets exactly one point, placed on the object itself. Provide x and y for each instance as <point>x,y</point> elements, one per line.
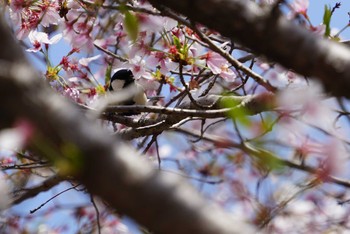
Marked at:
<point>117,84</point>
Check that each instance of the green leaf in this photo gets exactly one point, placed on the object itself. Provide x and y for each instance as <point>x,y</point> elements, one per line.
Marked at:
<point>237,111</point>
<point>131,24</point>
<point>108,74</point>
<point>70,160</point>
<point>177,42</point>
<point>327,15</point>
<point>270,161</point>
<point>100,89</point>
<point>265,158</point>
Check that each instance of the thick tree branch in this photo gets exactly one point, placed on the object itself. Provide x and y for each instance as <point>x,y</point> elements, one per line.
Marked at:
<point>212,107</point>
<point>274,36</point>
<point>251,104</point>
<point>105,165</point>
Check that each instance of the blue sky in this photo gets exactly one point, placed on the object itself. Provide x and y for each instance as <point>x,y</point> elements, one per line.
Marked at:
<point>340,17</point>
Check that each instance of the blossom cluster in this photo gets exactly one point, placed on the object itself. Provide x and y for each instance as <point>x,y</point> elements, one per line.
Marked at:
<point>154,56</point>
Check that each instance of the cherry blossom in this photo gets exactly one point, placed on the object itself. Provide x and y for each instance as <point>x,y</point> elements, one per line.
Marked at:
<point>39,38</point>
<point>28,15</point>
<point>79,30</point>
<point>105,42</point>
<point>137,65</point>
<point>300,6</point>
<point>85,61</point>
<point>218,65</point>
<point>160,58</point>
<point>49,13</point>
<point>151,23</point>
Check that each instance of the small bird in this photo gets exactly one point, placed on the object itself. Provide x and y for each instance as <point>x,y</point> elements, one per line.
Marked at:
<point>125,79</point>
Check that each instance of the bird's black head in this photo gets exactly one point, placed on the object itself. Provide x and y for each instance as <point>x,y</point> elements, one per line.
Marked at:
<point>122,75</point>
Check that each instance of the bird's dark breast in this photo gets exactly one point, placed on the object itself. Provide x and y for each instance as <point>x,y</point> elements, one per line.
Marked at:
<point>128,102</point>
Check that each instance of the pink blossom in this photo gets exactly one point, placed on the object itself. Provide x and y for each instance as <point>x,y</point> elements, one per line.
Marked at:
<point>159,58</point>
<point>105,42</point>
<point>138,66</point>
<point>70,66</point>
<point>24,31</point>
<point>334,153</point>
<point>152,23</point>
<point>195,52</point>
<point>308,146</point>
<point>140,48</point>
<point>78,40</point>
<point>319,30</point>
<point>300,6</point>
<point>17,6</point>
<point>310,104</point>
<point>85,61</point>
<point>72,93</point>
<point>49,14</point>
<point>29,23</point>
<point>79,31</point>
<point>280,77</point>
<point>29,14</point>
<point>292,133</point>
<point>39,38</point>
<point>218,65</point>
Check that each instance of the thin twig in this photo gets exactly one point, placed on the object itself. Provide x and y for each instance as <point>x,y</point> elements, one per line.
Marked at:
<point>43,204</point>
<point>158,155</point>
<point>187,90</point>
<point>111,53</point>
<point>97,214</point>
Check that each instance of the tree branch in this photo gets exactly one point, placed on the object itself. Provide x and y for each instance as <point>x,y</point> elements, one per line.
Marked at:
<point>211,106</point>
<point>34,191</point>
<point>274,36</point>
<point>252,104</point>
<point>253,151</point>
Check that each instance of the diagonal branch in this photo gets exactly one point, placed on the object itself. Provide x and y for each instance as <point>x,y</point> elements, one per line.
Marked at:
<point>259,153</point>
<point>34,191</point>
